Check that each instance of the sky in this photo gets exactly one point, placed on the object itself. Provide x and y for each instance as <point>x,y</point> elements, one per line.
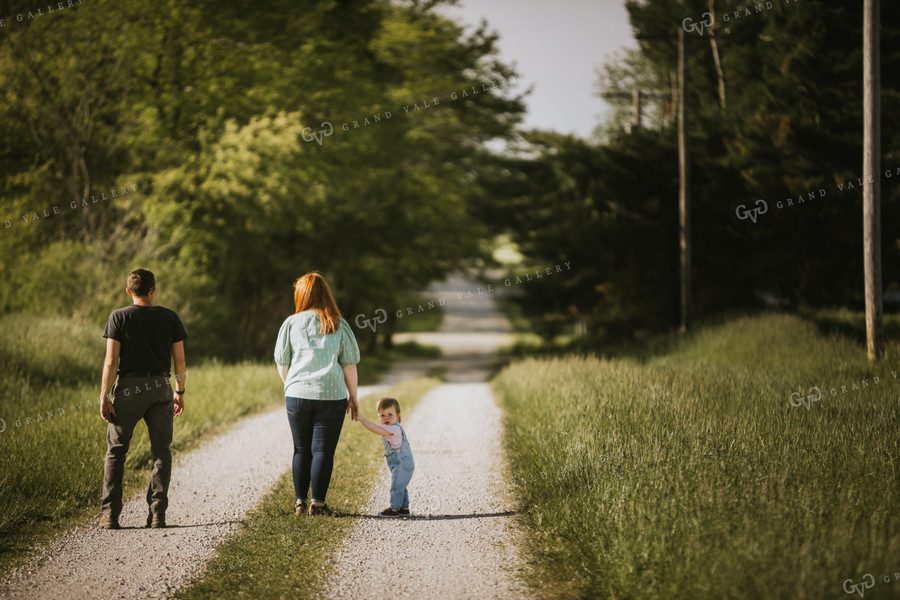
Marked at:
<point>557,46</point>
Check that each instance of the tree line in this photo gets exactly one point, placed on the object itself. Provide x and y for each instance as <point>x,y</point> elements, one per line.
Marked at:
<point>775,113</point>
<point>213,112</point>
<point>254,142</point>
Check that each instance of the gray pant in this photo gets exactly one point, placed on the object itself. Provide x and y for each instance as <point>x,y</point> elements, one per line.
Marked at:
<point>136,398</point>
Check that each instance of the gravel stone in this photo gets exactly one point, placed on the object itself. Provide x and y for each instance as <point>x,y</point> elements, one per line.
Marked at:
<point>459,543</point>
<point>211,490</point>
<point>460,540</point>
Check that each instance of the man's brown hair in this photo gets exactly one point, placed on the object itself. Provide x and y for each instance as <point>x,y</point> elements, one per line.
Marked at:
<point>140,282</point>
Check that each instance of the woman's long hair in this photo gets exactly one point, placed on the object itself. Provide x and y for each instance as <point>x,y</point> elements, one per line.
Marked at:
<point>311,292</point>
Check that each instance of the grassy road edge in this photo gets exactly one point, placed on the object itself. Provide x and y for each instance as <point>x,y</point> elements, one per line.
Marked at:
<point>276,554</point>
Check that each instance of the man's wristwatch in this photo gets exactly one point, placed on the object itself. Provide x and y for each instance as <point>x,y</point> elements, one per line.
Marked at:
<point>181,393</point>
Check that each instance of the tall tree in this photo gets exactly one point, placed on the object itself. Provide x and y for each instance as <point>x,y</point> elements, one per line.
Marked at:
<point>210,109</point>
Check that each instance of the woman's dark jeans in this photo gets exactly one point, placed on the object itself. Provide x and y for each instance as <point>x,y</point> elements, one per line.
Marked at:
<point>316,426</point>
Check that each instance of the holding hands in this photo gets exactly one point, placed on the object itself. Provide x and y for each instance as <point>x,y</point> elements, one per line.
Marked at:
<point>353,408</point>
<point>351,378</point>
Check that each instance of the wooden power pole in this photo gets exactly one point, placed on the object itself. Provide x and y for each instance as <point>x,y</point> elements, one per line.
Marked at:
<point>636,105</point>
<point>872,188</point>
<point>684,189</point>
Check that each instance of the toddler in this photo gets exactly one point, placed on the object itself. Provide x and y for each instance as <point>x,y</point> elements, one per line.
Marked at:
<point>396,452</point>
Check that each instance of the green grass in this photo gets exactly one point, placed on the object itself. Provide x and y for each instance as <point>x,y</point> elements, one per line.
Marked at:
<point>376,365</point>
<point>278,555</point>
<point>429,319</point>
<point>514,314</point>
<point>51,467</point>
<point>850,323</point>
<point>689,474</point>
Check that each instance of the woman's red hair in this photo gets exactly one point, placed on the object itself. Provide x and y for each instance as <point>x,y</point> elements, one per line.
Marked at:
<point>311,292</point>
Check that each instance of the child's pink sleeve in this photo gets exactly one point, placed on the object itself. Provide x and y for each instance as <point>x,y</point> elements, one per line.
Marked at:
<point>396,439</point>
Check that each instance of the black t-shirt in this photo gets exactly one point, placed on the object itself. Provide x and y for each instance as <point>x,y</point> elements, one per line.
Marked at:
<point>146,334</point>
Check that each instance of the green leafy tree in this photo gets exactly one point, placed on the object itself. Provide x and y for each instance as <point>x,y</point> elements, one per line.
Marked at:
<point>207,109</point>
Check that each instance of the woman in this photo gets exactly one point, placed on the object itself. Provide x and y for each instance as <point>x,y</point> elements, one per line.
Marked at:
<point>316,354</point>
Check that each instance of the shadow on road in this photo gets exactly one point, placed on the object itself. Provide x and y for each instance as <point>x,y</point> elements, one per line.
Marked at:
<point>171,526</point>
<point>507,513</point>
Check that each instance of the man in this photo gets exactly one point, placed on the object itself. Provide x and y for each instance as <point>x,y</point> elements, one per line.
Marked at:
<point>141,341</point>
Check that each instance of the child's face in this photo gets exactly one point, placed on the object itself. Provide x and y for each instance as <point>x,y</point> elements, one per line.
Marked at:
<point>388,416</point>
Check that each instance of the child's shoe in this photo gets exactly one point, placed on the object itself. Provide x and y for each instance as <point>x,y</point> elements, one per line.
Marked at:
<point>390,514</point>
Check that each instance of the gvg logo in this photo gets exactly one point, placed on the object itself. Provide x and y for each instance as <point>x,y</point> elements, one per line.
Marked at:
<point>688,24</point>
<point>318,136</point>
<point>868,581</point>
<point>374,321</point>
<point>815,394</point>
<point>743,213</point>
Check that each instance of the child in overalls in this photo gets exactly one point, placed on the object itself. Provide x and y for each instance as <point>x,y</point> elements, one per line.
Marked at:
<point>397,453</point>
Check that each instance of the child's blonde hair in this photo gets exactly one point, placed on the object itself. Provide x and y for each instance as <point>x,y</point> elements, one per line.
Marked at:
<point>386,403</point>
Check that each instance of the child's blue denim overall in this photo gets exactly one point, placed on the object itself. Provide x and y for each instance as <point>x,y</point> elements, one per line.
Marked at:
<point>400,462</point>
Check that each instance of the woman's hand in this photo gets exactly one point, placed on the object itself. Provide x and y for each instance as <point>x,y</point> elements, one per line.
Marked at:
<point>353,408</point>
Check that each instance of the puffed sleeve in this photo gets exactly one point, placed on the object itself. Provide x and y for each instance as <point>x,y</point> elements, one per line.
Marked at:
<point>283,345</point>
<point>348,353</point>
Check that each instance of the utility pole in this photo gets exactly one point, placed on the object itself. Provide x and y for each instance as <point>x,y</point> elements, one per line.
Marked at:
<point>636,109</point>
<point>684,189</point>
<point>684,184</point>
<point>636,106</point>
<point>872,189</point>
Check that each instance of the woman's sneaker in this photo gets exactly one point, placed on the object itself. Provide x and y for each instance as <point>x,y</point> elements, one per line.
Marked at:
<point>390,514</point>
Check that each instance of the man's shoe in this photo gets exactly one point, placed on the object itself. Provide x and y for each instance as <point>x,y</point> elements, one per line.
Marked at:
<point>109,522</point>
<point>156,521</point>
<point>390,514</point>
<point>404,512</point>
<point>300,509</point>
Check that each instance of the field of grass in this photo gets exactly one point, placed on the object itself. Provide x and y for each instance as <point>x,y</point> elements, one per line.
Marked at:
<point>278,555</point>
<point>692,474</point>
<point>374,366</point>
<point>850,323</point>
<point>52,439</point>
<point>428,320</point>
<point>51,452</point>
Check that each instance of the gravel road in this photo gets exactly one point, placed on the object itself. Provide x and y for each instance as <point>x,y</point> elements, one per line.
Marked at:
<point>212,488</point>
<point>459,546</point>
<point>460,540</point>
